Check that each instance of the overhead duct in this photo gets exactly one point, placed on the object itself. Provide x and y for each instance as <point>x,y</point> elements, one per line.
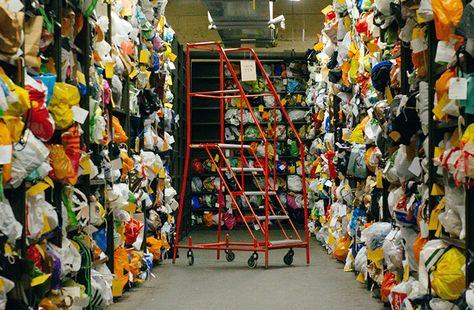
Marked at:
<point>240,22</point>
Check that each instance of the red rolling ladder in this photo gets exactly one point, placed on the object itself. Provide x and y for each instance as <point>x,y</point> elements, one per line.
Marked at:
<point>232,179</point>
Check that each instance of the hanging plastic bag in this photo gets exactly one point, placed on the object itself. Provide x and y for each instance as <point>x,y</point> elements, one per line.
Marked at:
<point>121,265</point>
<point>119,134</point>
<point>65,96</point>
<point>418,246</point>
<point>9,226</point>
<point>207,218</point>
<point>447,14</point>
<point>448,279</point>
<point>132,231</point>
<point>60,163</point>
<point>342,248</point>
<point>69,256</point>
<point>388,283</point>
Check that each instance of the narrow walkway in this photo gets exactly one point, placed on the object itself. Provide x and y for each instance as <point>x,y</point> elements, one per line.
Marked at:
<point>210,284</point>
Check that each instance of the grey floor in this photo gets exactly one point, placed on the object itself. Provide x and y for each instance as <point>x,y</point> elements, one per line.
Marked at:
<point>210,284</point>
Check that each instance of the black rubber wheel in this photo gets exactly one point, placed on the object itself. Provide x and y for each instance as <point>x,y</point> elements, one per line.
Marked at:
<point>255,255</point>
<point>252,263</point>
<point>190,258</point>
<point>229,256</point>
<point>288,259</point>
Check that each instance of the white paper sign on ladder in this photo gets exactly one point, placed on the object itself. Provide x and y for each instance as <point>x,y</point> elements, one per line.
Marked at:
<point>248,70</point>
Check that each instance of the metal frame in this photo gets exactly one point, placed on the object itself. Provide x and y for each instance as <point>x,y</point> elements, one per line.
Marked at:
<point>222,166</point>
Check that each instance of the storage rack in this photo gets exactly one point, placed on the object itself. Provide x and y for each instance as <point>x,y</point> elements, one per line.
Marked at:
<point>436,130</point>
<point>205,76</point>
<point>83,50</point>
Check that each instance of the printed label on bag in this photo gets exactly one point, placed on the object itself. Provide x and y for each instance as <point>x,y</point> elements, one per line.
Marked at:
<point>457,89</point>
<point>79,114</point>
<point>445,52</point>
<point>5,154</point>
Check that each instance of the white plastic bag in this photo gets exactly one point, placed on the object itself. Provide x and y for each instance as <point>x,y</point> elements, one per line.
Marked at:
<point>9,226</point>
<point>360,261</point>
<point>393,250</point>
<point>294,183</point>
<point>69,255</point>
<point>375,234</point>
<point>6,286</point>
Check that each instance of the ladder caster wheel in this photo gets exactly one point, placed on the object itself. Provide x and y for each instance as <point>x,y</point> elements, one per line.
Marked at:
<point>252,262</point>
<point>190,258</point>
<point>288,258</point>
<point>229,256</point>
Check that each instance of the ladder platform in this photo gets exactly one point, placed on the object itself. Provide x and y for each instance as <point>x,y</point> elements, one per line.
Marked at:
<point>286,241</point>
<point>254,193</point>
<point>243,169</point>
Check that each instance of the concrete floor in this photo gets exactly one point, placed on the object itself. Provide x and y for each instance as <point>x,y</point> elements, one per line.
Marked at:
<point>210,284</point>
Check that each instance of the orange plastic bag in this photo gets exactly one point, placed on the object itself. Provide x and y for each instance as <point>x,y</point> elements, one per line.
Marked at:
<point>119,133</point>
<point>60,162</point>
<point>342,248</point>
<point>418,245</point>
<point>389,281</point>
<point>6,140</point>
<point>154,247</point>
<point>447,14</point>
<point>72,145</point>
<point>121,265</point>
<point>127,162</point>
<point>420,63</point>
<point>207,218</point>
<point>442,84</point>
<point>136,262</point>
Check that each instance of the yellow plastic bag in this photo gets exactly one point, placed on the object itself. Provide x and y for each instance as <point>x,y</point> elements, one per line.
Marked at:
<point>447,14</point>
<point>342,248</point>
<point>119,133</point>
<point>468,135</point>
<point>64,98</point>
<point>448,279</point>
<point>357,135</point>
<point>20,107</point>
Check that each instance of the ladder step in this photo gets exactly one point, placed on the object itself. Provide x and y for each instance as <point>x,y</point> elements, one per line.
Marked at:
<point>270,217</point>
<point>255,193</point>
<point>233,146</point>
<point>244,169</point>
<point>285,241</point>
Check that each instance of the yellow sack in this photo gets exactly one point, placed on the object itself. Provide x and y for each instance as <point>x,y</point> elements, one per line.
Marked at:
<point>65,96</point>
<point>357,135</point>
<point>23,104</point>
<point>468,135</point>
<point>448,279</point>
<point>15,126</point>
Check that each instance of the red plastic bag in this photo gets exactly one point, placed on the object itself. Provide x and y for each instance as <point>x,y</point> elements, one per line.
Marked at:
<point>132,230</point>
<point>72,142</point>
<point>229,220</point>
<point>40,122</point>
<point>389,281</point>
<point>197,166</point>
